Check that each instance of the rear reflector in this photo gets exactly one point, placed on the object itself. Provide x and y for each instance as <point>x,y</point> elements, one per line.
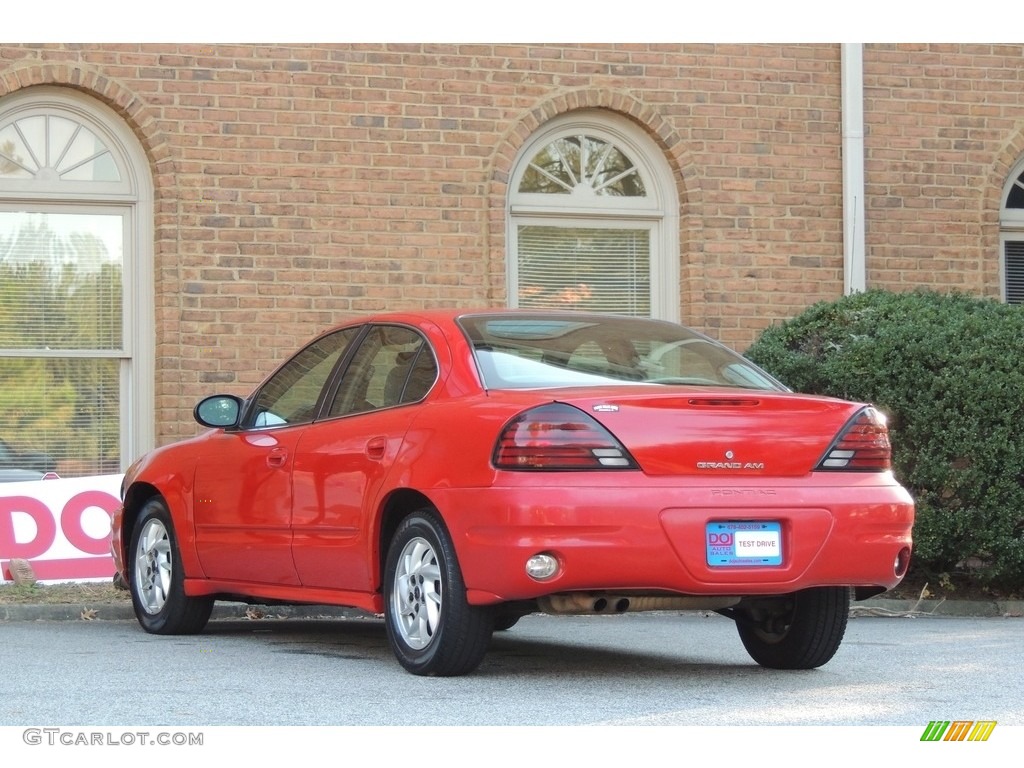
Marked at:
<point>558,437</point>
<point>862,446</point>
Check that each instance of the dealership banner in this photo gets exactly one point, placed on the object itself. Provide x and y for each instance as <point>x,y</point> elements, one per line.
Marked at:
<point>61,526</point>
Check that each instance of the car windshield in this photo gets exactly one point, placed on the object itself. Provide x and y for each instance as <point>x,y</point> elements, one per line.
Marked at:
<point>526,350</point>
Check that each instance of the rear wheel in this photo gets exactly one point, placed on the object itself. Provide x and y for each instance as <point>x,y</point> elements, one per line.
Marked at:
<point>505,621</point>
<point>431,628</point>
<point>798,631</point>
<point>156,577</point>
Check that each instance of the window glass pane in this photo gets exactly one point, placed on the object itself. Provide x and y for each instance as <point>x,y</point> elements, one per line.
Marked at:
<point>379,375</point>
<point>60,414</point>
<point>597,269</point>
<point>537,350</point>
<point>76,153</point>
<point>60,133</point>
<point>582,165</point>
<point>15,160</point>
<point>32,134</point>
<point>61,280</point>
<point>86,158</point>
<point>1015,199</point>
<point>290,396</point>
<point>100,168</point>
<point>1014,270</point>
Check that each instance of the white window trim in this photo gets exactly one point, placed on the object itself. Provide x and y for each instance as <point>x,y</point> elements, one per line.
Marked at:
<point>134,191</point>
<point>1013,236</point>
<point>659,210</point>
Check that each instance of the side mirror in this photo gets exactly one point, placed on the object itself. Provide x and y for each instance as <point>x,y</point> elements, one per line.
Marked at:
<point>218,411</point>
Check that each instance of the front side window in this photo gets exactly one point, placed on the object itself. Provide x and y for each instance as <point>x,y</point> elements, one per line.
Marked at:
<point>291,395</point>
<point>75,287</point>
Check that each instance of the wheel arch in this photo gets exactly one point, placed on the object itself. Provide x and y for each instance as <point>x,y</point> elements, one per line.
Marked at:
<point>398,505</point>
<point>135,498</point>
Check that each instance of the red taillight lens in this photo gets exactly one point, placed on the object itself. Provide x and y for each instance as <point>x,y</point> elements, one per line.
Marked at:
<point>863,445</point>
<point>558,437</point>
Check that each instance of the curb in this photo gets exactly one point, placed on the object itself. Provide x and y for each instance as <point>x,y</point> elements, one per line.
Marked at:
<point>923,608</point>
<point>222,611</point>
<point>228,611</point>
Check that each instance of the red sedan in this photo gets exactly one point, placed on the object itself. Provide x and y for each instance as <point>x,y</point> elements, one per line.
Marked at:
<point>457,470</point>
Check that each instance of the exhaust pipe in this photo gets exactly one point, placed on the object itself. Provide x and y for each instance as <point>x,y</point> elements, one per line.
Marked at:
<point>582,604</point>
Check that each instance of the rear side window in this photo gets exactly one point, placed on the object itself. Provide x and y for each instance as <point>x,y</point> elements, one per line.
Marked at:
<point>393,365</point>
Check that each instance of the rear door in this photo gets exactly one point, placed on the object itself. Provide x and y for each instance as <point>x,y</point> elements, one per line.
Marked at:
<point>343,461</point>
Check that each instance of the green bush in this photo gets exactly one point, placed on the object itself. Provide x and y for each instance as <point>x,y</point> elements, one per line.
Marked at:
<point>948,370</point>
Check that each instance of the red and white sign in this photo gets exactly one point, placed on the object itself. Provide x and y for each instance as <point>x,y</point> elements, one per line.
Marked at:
<point>62,527</point>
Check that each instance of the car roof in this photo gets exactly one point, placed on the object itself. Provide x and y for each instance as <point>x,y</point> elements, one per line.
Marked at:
<point>450,314</point>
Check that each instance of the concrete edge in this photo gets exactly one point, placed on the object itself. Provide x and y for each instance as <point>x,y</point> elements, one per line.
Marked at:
<point>222,611</point>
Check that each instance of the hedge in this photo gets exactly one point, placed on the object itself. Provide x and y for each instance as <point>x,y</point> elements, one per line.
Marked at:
<point>948,370</point>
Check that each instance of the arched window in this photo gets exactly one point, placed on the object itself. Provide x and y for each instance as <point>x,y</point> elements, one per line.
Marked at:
<point>1012,237</point>
<point>593,220</point>
<point>76,327</point>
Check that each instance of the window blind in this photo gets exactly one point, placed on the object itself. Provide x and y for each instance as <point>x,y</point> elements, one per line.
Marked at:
<point>594,269</point>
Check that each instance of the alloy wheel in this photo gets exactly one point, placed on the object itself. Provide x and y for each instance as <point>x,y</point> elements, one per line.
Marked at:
<point>417,594</point>
<point>153,566</point>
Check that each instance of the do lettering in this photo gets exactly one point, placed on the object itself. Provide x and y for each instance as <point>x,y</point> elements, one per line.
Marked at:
<point>45,521</point>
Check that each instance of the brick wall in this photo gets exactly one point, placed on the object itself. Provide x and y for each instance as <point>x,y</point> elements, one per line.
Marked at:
<point>296,185</point>
<point>943,130</point>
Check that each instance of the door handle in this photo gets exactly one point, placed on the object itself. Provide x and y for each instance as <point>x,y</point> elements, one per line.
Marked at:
<point>376,447</point>
<point>277,458</point>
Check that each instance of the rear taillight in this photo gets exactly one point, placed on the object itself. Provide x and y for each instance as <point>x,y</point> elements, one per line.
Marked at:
<point>558,437</point>
<point>862,446</point>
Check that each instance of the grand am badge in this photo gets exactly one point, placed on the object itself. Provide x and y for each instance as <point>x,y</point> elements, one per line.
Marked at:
<point>729,464</point>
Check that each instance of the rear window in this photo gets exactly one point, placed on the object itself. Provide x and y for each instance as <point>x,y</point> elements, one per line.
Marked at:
<point>527,350</point>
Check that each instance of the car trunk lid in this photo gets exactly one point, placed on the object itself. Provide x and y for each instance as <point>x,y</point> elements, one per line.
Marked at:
<point>717,431</point>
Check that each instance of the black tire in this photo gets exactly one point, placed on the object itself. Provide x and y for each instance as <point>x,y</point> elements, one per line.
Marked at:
<point>798,631</point>
<point>505,621</point>
<point>156,577</point>
<point>431,628</point>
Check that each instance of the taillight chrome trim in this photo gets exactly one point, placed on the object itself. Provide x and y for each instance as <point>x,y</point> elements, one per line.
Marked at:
<point>557,437</point>
<point>862,445</point>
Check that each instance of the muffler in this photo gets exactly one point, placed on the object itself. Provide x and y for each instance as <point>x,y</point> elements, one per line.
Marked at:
<point>581,603</point>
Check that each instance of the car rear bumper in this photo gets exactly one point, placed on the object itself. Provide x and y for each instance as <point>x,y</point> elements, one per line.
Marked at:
<point>651,538</point>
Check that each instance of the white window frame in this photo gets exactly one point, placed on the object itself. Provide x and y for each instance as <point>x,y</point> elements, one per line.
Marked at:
<point>658,210</point>
<point>132,198</point>
<point>1011,224</point>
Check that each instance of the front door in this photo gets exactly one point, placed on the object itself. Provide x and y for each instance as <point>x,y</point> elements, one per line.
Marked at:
<point>242,503</point>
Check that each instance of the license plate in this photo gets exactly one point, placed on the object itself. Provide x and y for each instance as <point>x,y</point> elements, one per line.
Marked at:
<point>742,543</point>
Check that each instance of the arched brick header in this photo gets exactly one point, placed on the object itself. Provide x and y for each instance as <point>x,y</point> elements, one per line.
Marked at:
<point>137,116</point>
<point>1004,163</point>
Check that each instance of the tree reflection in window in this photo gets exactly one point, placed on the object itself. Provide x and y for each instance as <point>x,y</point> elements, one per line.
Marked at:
<point>582,165</point>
